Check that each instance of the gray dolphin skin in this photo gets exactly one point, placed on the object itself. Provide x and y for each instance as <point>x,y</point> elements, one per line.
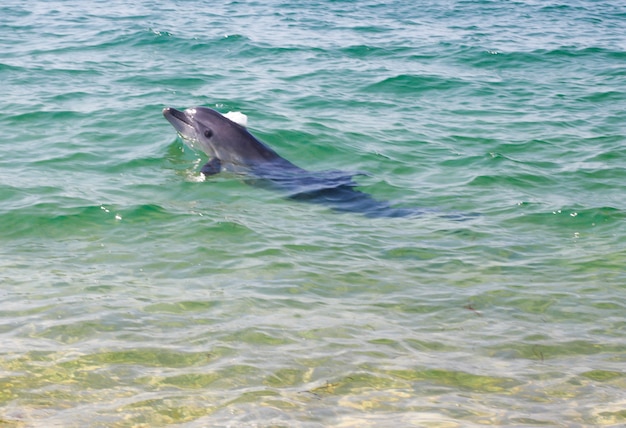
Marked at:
<point>230,147</point>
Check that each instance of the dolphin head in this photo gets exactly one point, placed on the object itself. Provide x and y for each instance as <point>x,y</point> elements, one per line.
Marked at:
<point>217,136</point>
<point>202,128</point>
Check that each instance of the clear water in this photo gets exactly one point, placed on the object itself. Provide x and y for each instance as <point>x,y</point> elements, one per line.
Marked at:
<point>134,294</point>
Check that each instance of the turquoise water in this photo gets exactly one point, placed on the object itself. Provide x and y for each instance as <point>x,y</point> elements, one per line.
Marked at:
<point>135,294</point>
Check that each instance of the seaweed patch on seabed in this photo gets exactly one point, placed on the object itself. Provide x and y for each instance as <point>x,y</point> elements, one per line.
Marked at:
<point>471,307</point>
<point>538,352</point>
<point>327,388</point>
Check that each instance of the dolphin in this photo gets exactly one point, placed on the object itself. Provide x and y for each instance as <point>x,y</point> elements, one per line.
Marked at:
<point>230,147</point>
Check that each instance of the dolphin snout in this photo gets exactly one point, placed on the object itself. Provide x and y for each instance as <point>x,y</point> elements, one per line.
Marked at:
<point>173,115</point>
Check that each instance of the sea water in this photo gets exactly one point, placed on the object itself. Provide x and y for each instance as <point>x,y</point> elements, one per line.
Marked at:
<point>134,293</point>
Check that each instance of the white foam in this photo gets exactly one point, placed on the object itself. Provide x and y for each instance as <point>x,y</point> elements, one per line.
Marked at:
<point>196,177</point>
<point>237,117</point>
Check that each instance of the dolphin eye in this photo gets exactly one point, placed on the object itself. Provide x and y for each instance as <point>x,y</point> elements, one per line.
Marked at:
<point>208,133</point>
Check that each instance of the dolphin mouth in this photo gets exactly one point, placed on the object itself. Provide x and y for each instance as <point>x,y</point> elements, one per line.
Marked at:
<point>180,116</point>
<point>180,121</point>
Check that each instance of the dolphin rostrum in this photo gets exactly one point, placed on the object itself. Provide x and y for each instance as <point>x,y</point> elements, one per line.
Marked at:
<point>231,147</point>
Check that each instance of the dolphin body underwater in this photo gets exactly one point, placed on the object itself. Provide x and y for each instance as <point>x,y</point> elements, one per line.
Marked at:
<point>231,147</point>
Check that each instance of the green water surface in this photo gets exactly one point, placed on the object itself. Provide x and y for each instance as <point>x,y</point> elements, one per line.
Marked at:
<point>134,293</point>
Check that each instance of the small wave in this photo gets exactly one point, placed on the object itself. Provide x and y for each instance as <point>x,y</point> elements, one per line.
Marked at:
<point>8,67</point>
<point>45,116</point>
<point>65,217</point>
<point>522,181</point>
<point>585,218</point>
<point>557,56</point>
<point>367,51</point>
<point>404,83</point>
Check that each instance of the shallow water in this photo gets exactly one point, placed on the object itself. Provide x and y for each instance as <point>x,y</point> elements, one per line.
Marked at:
<point>136,294</point>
